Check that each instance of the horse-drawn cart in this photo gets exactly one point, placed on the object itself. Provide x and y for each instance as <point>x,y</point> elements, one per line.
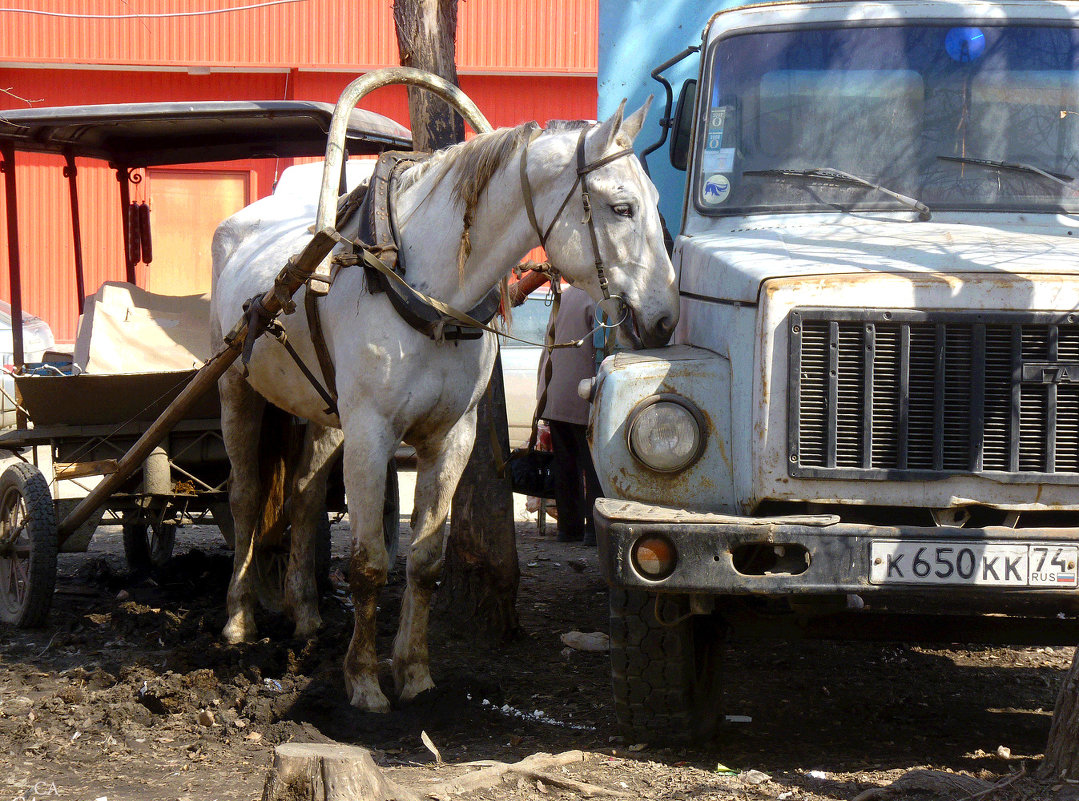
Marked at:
<point>77,421</point>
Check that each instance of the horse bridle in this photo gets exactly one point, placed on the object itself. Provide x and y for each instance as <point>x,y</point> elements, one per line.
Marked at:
<point>583,169</point>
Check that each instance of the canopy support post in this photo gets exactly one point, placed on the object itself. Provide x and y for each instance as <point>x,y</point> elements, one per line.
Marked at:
<point>70,171</point>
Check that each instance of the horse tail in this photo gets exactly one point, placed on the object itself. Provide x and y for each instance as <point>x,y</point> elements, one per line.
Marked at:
<point>280,442</point>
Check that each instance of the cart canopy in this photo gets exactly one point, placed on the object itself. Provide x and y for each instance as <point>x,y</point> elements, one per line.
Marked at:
<point>152,134</point>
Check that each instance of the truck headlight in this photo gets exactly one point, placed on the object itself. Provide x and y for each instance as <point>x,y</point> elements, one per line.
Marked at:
<point>666,433</point>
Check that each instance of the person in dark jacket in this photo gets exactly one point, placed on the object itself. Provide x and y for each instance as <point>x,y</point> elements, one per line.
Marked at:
<point>576,483</point>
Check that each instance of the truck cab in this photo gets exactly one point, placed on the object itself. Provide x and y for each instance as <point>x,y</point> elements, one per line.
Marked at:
<point>868,422</point>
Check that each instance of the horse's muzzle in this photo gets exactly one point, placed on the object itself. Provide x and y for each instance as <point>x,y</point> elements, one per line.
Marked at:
<point>656,336</point>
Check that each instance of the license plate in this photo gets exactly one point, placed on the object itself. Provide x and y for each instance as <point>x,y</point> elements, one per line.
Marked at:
<point>1041,565</point>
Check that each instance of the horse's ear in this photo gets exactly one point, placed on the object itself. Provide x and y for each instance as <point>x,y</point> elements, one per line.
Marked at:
<point>603,137</point>
<point>631,126</point>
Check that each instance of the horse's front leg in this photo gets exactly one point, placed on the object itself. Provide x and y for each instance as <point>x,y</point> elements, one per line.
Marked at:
<point>308,504</point>
<point>368,447</point>
<point>241,420</point>
<point>440,462</point>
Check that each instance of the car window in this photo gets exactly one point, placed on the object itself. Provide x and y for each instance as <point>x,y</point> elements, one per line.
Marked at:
<point>529,321</point>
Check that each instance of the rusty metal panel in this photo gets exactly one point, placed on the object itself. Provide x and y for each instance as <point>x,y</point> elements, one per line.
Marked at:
<point>767,442</point>
<point>700,378</point>
<point>544,36</point>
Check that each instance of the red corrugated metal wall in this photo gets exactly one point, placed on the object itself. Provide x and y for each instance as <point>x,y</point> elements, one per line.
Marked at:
<point>494,36</point>
<point>44,210</point>
<point>544,50</point>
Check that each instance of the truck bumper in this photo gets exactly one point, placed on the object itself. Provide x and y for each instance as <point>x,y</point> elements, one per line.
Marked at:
<point>812,554</point>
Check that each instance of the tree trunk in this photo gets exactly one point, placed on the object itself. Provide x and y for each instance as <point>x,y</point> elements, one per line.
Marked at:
<point>481,572</point>
<point>1062,751</point>
<point>425,40</point>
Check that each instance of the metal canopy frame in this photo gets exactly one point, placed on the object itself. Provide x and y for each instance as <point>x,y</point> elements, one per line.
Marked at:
<point>130,136</point>
<point>154,134</point>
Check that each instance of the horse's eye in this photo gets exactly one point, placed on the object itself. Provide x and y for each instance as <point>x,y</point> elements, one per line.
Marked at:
<point>622,209</point>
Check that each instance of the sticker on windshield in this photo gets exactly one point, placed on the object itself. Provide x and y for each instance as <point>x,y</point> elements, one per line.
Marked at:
<point>716,119</point>
<point>717,188</point>
<point>715,161</point>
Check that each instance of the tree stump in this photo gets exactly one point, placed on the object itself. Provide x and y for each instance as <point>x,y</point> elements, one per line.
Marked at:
<point>332,772</point>
<point>329,772</point>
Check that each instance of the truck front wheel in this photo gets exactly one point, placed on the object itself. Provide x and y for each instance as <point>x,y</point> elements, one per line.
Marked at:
<point>665,667</point>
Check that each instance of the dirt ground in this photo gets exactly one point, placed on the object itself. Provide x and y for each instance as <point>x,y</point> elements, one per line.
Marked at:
<point>106,700</point>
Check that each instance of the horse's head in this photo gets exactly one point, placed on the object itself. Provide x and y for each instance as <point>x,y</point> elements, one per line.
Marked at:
<point>618,239</point>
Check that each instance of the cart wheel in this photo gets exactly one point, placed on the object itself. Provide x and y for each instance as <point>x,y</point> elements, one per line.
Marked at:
<point>148,545</point>
<point>271,566</point>
<point>28,542</point>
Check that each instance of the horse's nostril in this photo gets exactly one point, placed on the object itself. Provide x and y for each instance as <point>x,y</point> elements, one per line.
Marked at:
<point>660,333</point>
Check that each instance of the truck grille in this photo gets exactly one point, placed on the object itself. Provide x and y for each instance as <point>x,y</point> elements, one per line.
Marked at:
<point>901,394</point>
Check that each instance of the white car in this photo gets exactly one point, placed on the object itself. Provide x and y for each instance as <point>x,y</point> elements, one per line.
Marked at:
<point>520,363</point>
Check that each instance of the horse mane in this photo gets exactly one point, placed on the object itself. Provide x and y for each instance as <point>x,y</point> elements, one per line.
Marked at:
<point>474,162</point>
<point>567,125</point>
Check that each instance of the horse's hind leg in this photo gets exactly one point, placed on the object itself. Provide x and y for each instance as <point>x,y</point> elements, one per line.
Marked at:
<point>440,462</point>
<point>241,420</point>
<point>368,447</point>
<point>308,503</point>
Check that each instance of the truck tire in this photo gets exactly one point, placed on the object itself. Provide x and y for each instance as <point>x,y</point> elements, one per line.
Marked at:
<point>28,544</point>
<point>666,676</point>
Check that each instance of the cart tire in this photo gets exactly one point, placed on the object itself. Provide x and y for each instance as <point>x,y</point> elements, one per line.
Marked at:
<point>391,514</point>
<point>29,537</point>
<point>148,545</point>
<point>666,676</point>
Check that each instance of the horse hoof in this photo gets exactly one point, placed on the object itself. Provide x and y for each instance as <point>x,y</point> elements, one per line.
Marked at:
<point>369,698</point>
<point>411,680</point>
<point>307,627</point>
<point>238,630</point>
<point>415,687</point>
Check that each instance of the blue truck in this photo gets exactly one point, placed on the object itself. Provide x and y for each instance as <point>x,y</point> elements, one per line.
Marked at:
<point>867,424</point>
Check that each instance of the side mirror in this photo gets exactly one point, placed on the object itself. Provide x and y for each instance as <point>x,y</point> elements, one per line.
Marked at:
<point>682,125</point>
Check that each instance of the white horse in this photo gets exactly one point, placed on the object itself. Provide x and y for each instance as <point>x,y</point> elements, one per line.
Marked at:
<point>395,383</point>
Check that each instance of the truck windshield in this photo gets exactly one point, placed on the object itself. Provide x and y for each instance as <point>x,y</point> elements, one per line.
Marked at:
<point>960,117</point>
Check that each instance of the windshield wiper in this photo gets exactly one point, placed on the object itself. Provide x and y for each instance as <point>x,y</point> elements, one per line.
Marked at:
<point>832,175</point>
<point>1057,177</point>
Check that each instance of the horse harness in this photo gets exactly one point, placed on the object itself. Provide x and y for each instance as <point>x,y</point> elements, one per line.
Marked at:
<point>385,269</point>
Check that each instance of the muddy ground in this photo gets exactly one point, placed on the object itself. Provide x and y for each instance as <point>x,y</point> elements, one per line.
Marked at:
<point>106,700</point>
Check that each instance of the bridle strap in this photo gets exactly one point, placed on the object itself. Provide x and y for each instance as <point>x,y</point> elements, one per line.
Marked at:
<point>583,169</point>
